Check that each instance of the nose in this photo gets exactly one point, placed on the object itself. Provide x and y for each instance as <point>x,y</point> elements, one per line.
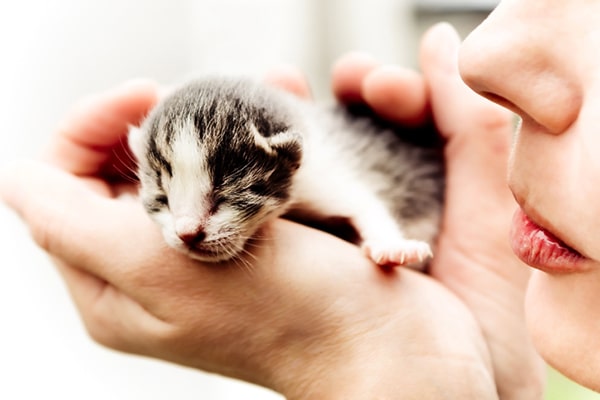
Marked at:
<point>508,59</point>
<point>193,237</point>
<point>190,230</point>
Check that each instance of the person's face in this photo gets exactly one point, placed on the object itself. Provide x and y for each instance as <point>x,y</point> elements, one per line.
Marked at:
<point>541,58</point>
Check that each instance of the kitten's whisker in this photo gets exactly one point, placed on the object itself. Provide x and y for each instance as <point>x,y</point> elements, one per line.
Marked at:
<point>249,254</point>
<point>261,238</point>
<point>254,245</point>
<point>245,264</point>
<point>130,165</point>
<point>126,175</point>
<point>235,257</point>
<point>128,153</point>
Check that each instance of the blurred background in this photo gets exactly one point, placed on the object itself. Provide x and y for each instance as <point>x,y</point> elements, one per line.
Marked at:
<point>53,53</point>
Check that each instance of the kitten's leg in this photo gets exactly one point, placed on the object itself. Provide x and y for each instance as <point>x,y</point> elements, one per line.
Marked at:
<point>385,244</point>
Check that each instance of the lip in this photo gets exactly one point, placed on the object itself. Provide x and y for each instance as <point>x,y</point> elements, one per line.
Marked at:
<point>541,249</point>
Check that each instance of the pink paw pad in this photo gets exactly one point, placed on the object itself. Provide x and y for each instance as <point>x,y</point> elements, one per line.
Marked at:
<point>400,252</point>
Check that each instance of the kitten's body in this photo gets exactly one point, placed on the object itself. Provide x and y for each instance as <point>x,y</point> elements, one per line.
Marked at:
<point>221,156</point>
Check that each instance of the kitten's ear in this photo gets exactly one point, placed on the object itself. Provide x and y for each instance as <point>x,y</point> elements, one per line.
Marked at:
<point>135,139</point>
<point>287,144</point>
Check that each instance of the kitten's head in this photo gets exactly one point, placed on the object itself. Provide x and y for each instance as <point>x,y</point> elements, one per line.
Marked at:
<point>216,159</point>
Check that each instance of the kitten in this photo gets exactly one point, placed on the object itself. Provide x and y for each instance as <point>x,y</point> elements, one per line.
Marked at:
<point>220,156</point>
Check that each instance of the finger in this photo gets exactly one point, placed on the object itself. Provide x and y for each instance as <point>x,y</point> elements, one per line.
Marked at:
<point>348,74</point>
<point>86,139</point>
<point>110,316</point>
<point>478,131</point>
<point>66,216</point>
<point>289,78</point>
<point>85,289</point>
<point>456,108</point>
<point>396,94</point>
<point>478,136</point>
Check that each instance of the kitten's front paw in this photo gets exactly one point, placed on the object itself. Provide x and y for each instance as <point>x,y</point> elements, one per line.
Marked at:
<point>398,252</point>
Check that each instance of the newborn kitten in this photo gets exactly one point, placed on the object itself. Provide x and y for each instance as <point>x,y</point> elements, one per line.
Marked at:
<point>221,156</point>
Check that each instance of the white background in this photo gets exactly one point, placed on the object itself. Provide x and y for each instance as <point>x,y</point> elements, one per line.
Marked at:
<point>54,52</point>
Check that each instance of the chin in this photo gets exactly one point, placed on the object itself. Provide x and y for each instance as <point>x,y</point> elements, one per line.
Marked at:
<point>563,315</point>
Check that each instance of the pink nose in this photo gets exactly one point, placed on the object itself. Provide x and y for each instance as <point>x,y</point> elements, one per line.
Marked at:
<point>192,238</point>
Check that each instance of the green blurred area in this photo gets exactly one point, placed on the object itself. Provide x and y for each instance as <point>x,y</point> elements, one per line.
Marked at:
<point>561,388</point>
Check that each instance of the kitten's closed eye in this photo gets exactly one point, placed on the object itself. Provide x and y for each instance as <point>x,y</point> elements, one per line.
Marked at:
<point>259,188</point>
<point>217,202</point>
<point>162,200</point>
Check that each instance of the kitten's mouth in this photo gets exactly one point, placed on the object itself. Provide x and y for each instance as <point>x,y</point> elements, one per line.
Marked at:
<point>219,247</point>
<point>209,255</point>
<point>213,252</point>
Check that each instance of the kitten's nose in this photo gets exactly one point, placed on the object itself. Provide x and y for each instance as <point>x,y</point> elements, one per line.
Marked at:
<point>192,238</point>
<point>190,231</point>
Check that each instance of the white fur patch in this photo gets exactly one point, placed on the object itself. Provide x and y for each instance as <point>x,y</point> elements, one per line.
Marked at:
<point>191,183</point>
<point>341,189</point>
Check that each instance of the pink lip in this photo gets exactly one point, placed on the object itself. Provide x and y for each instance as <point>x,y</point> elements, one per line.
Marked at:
<point>541,249</point>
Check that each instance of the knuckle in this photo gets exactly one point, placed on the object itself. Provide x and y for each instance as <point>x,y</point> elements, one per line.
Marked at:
<point>44,233</point>
<point>104,334</point>
<point>119,323</point>
<point>101,320</point>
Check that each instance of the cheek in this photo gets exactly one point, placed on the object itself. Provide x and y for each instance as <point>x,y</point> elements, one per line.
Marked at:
<point>588,127</point>
<point>589,195</point>
<point>563,318</point>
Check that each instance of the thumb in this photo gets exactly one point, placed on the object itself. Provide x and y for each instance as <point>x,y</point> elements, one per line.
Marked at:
<point>478,132</point>
<point>456,108</point>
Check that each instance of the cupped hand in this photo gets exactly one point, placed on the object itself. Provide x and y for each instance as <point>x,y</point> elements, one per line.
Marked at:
<point>306,315</point>
<point>303,313</point>
<point>473,258</point>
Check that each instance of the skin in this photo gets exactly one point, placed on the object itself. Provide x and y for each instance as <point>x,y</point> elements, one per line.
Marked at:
<point>538,59</point>
<point>332,325</point>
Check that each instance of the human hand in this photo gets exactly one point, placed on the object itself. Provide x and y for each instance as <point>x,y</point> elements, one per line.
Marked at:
<point>473,257</point>
<point>304,313</point>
